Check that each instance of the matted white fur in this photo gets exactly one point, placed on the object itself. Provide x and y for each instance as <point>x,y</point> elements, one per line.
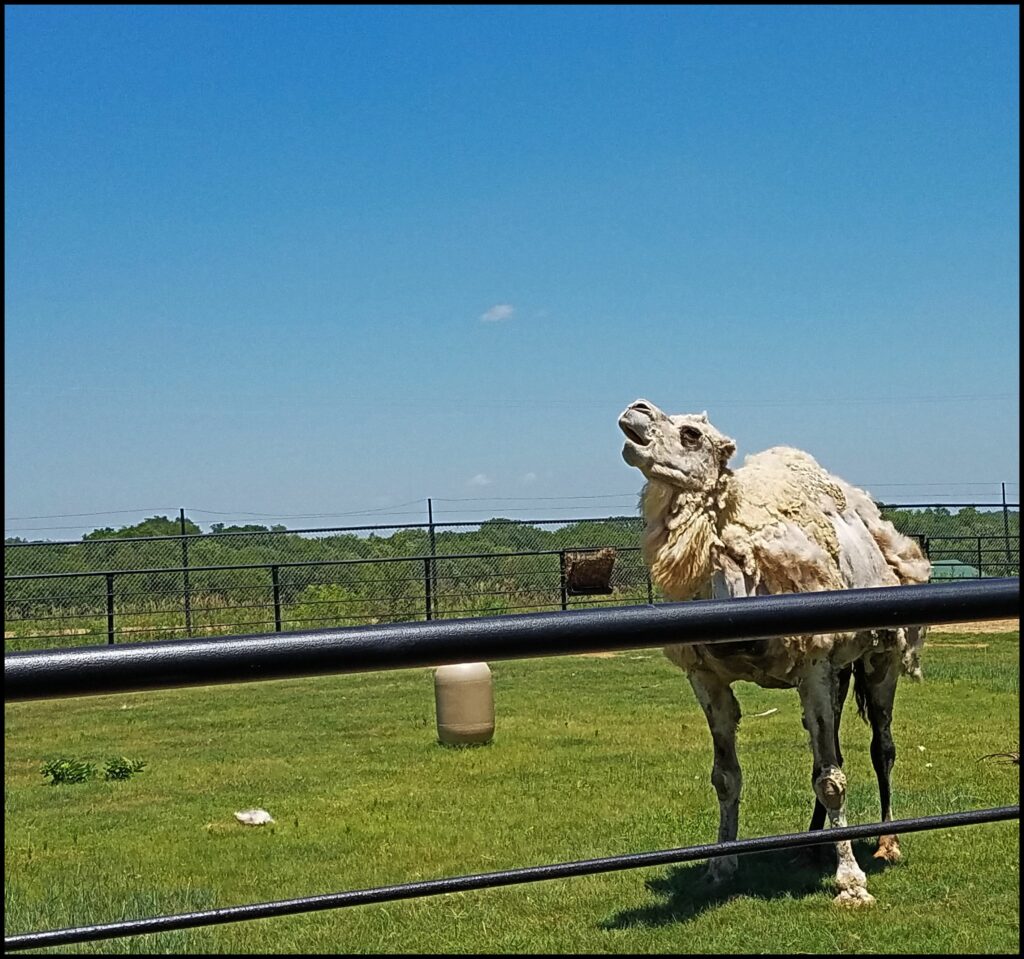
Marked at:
<point>779,524</point>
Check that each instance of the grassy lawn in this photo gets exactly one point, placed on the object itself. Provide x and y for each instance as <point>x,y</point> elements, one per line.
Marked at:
<point>592,756</point>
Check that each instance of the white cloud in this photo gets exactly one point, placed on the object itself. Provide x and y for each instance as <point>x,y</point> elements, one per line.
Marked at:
<point>481,479</point>
<point>497,313</point>
<point>529,478</point>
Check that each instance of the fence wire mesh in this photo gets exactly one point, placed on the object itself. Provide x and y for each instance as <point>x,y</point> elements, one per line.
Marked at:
<point>260,580</point>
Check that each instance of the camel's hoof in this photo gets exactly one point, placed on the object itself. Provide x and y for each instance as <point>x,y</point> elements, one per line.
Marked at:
<point>888,849</point>
<point>857,896</point>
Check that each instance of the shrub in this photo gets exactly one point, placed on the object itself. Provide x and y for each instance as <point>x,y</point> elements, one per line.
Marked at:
<point>121,767</point>
<point>67,771</point>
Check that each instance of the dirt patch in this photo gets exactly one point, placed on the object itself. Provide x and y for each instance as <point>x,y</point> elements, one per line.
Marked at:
<point>985,626</point>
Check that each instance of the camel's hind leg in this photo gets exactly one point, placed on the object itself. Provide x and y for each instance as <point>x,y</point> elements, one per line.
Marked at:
<point>723,716</point>
<point>818,692</point>
<point>876,686</point>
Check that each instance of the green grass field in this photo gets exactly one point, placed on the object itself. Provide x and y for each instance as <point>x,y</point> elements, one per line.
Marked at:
<point>592,756</point>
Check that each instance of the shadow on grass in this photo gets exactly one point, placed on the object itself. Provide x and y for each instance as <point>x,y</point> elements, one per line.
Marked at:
<point>792,873</point>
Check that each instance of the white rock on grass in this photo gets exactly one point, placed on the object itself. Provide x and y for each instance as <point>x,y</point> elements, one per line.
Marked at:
<point>254,817</point>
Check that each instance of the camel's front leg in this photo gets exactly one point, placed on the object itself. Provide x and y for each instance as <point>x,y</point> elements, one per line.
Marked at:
<point>818,692</point>
<point>818,816</point>
<point>723,716</point>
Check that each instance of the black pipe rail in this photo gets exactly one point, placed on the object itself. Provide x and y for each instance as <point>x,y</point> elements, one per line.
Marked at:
<point>298,564</point>
<point>94,670</point>
<point>490,880</point>
<point>99,670</point>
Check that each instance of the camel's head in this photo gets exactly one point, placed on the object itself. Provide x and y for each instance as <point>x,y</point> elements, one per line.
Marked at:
<point>685,452</point>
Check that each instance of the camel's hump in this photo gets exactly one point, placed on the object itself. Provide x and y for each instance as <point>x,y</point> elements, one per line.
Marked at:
<point>782,457</point>
<point>783,482</point>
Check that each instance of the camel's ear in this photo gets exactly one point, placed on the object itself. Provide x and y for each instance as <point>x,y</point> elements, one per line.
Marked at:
<point>703,416</point>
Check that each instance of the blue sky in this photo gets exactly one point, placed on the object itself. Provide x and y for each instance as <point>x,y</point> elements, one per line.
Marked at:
<point>327,260</point>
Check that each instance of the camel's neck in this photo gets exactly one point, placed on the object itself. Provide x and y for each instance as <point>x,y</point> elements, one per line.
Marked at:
<point>681,536</point>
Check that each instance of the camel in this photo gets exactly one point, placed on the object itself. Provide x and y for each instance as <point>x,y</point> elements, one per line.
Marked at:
<point>778,524</point>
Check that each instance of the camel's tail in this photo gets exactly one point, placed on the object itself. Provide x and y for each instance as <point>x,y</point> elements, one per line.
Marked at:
<point>860,692</point>
<point>910,642</point>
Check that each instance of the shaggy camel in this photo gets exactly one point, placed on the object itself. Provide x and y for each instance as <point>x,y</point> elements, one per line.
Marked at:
<point>779,524</point>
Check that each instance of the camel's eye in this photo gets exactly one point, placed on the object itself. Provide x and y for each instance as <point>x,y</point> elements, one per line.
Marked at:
<point>690,436</point>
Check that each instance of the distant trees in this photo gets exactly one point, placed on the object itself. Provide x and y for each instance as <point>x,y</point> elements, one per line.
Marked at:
<point>152,526</point>
<point>938,521</point>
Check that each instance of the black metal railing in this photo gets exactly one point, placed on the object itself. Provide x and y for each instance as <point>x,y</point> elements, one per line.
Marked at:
<point>492,880</point>
<point>105,669</point>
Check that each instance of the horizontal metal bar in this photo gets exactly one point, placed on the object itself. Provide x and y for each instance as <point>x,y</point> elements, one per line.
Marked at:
<point>173,538</point>
<point>19,577</point>
<point>490,880</point>
<point>94,670</point>
<point>994,506</point>
<point>99,614</point>
<point>58,636</point>
<point>395,606</point>
<point>177,537</point>
<point>411,614</point>
<point>984,537</point>
<point>126,632</point>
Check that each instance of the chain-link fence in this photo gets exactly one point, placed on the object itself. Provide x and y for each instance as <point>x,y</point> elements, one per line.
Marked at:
<point>257,581</point>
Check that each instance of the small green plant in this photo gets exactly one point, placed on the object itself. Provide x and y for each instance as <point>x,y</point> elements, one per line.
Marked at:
<point>66,771</point>
<point>121,767</point>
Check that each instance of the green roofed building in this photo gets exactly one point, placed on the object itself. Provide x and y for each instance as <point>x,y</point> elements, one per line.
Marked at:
<point>953,569</point>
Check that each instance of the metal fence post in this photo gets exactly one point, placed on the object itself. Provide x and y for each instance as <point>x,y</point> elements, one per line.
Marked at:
<point>650,586</point>
<point>433,552</point>
<point>110,609</point>
<point>1006,530</point>
<point>275,579</point>
<point>561,576</point>
<point>184,563</point>
<point>980,570</point>
<point>426,588</point>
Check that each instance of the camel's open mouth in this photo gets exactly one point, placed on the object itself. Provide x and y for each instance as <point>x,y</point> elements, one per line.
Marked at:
<point>634,422</point>
<point>633,435</point>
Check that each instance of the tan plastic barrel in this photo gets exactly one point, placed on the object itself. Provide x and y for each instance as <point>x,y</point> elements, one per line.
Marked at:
<point>464,695</point>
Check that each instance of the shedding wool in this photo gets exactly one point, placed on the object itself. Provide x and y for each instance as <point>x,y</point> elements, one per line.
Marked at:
<point>778,524</point>
<point>788,526</point>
